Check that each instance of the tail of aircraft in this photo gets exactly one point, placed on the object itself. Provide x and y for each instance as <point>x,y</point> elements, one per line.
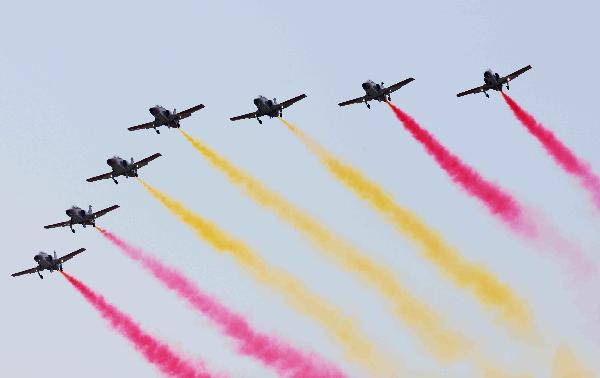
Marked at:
<point>135,170</point>
<point>90,210</point>
<point>59,266</point>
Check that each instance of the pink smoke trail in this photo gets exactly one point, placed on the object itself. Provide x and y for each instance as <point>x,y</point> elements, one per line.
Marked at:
<point>153,350</point>
<point>500,203</point>
<point>272,352</point>
<point>561,154</point>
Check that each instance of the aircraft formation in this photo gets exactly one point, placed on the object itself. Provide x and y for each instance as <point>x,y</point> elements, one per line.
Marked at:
<point>171,119</point>
<point>271,351</point>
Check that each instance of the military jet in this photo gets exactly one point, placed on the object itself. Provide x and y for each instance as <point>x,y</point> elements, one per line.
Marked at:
<point>121,167</point>
<point>78,216</point>
<point>494,82</point>
<point>377,92</point>
<point>266,107</point>
<point>48,262</point>
<point>164,117</point>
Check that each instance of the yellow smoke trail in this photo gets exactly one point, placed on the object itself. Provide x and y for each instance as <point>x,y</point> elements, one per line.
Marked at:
<point>443,342</point>
<point>488,289</point>
<point>566,365</point>
<point>357,347</point>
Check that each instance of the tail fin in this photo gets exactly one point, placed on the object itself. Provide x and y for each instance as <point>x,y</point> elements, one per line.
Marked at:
<point>59,266</point>
<point>90,210</point>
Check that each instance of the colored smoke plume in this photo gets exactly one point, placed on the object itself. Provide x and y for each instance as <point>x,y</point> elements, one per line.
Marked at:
<point>561,154</point>
<point>344,330</point>
<point>153,350</point>
<point>487,289</point>
<point>500,203</point>
<point>444,342</point>
<point>274,353</point>
<point>534,227</point>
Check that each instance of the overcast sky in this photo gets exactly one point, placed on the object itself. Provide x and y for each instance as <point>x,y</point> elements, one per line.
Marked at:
<point>74,76</point>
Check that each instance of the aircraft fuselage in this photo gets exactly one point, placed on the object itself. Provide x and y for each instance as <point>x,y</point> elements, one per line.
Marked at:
<point>267,107</point>
<point>374,91</point>
<point>79,216</point>
<point>164,117</point>
<point>493,80</point>
<point>121,167</point>
<point>46,262</point>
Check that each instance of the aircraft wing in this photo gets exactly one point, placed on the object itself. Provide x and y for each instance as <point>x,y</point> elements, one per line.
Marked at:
<point>100,213</point>
<point>353,101</point>
<point>61,224</point>
<point>395,87</point>
<point>291,101</point>
<point>513,75</point>
<point>474,90</point>
<point>69,256</point>
<point>28,271</point>
<point>145,161</point>
<point>244,116</point>
<point>188,112</point>
<point>100,177</point>
<point>148,125</point>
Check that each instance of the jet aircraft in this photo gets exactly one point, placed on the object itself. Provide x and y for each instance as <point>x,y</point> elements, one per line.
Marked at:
<point>121,167</point>
<point>48,262</point>
<point>164,117</point>
<point>377,92</point>
<point>266,107</point>
<point>494,82</point>
<point>78,216</point>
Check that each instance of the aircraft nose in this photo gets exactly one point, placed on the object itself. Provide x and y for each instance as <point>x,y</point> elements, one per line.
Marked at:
<point>256,101</point>
<point>68,212</point>
<point>365,85</point>
<point>110,161</point>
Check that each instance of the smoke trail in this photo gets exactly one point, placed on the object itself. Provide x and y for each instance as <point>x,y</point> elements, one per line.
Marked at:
<point>155,352</point>
<point>287,361</point>
<point>531,226</point>
<point>561,154</point>
<point>566,365</point>
<point>437,337</point>
<point>484,285</point>
<point>357,347</point>
<point>495,199</point>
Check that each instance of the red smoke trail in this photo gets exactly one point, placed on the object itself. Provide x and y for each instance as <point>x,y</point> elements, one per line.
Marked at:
<point>561,153</point>
<point>153,350</point>
<point>274,353</point>
<point>495,199</point>
<point>532,226</point>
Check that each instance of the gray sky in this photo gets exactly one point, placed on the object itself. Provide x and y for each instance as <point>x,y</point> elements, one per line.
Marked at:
<point>74,77</point>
